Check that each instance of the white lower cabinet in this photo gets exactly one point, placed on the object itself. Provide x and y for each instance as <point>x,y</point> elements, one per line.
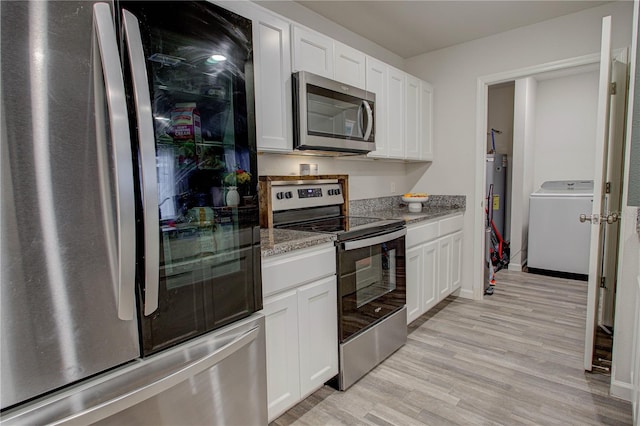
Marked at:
<point>433,263</point>
<point>283,362</point>
<point>300,306</point>
<point>413,265</point>
<point>429,275</point>
<point>456,260</point>
<point>444,268</point>
<point>318,334</point>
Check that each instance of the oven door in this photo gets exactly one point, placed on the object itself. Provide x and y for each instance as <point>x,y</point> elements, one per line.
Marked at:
<point>371,281</point>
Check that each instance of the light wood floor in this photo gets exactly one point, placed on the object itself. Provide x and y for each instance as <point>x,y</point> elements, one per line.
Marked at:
<point>514,358</point>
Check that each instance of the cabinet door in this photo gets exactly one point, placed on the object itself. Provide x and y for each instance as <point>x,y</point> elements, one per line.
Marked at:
<point>444,267</point>
<point>318,333</point>
<point>395,112</point>
<point>426,121</point>
<point>349,65</point>
<point>414,283</point>
<point>376,79</point>
<point>272,61</point>
<point>281,333</point>
<point>430,270</point>
<point>456,260</point>
<point>312,52</point>
<point>411,114</point>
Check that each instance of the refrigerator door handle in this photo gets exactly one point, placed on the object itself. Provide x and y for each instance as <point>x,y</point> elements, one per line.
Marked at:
<point>123,240</point>
<point>129,399</point>
<point>148,168</point>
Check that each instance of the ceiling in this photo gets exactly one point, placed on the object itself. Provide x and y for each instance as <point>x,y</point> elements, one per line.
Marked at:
<point>410,28</point>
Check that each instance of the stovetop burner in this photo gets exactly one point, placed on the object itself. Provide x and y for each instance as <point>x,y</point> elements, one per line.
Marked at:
<point>346,227</point>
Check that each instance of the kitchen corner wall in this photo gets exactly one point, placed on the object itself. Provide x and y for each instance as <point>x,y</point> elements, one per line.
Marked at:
<point>367,178</point>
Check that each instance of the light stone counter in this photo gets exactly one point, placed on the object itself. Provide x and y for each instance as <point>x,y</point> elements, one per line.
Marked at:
<point>275,241</point>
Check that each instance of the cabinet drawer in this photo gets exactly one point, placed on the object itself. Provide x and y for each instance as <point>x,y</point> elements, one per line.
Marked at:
<point>451,224</point>
<point>297,268</point>
<point>421,234</point>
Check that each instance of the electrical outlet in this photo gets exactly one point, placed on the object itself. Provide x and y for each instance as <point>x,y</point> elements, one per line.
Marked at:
<point>393,187</point>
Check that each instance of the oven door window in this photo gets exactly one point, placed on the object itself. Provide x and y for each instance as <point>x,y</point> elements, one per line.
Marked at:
<point>375,275</point>
<point>371,285</point>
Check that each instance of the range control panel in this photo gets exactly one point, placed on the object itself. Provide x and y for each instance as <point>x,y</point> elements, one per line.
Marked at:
<point>287,197</point>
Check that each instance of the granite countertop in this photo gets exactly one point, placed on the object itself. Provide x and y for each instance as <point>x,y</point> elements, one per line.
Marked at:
<point>278,241</point>
<point>427,213</point>
<point>275,241</point>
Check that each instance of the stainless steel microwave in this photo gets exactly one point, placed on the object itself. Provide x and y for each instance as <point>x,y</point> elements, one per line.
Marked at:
<point>331,117</point>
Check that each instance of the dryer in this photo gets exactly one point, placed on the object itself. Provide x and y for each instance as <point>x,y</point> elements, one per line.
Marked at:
<point>557,240</point>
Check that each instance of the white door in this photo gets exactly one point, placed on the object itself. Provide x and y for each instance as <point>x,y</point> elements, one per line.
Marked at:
<point>615,173</point>
<point>283,364</point>
<point>599,203</point>
<point>318,333</point>
<point>414,282</point>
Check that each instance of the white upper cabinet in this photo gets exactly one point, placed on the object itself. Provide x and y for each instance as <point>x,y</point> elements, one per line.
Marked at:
<point>426,121</point>
<point>312,52</point>
<point>376,82</point>
<point>412,141</point>
<point>272,62</point>
<point>349,65</point>
<point>395,112</point>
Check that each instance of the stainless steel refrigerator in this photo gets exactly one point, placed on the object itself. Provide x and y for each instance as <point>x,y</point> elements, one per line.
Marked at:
<point>130,239</point>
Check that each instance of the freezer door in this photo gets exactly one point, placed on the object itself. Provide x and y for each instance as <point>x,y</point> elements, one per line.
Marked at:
<point>62,279</point>
<point>217,379</point>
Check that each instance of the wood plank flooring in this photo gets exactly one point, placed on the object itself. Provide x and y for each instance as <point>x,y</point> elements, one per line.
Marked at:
<point>514,358</point>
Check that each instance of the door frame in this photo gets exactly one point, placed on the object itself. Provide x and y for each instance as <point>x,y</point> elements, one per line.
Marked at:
<point>482,92</point>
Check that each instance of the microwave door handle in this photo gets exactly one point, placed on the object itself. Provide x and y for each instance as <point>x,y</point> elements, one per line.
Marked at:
<point>359,120</point>
<point>367,108</point>
<point>367,242</point>
<point>146,140</point>
<point>121,241</point>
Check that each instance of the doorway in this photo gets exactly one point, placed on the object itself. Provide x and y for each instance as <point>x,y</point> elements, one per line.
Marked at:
<point>538,155</point>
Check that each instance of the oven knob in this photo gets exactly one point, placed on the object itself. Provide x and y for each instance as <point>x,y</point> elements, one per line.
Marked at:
<point>337,191</point>
<point>330,192</point>
<point>280,195</point>
<point>288,195</point>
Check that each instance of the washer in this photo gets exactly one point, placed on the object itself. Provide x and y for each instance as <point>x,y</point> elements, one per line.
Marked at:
<point>557,240</point>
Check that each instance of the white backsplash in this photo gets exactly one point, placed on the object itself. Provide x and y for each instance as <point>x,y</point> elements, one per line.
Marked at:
<point>367,178</point>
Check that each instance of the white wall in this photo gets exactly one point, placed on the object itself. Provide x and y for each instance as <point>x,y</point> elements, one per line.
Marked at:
<point>565,128</point>
<point>501,117</point>
<point>455,73</point>
<point>367,178</point>
<point>522,183</point>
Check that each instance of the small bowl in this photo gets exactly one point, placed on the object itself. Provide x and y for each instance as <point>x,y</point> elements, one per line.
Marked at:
<point>415,203</point>
<point>414,199</point>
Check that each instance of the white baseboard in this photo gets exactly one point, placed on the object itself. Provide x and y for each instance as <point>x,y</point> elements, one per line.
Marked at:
<point>464,293</point>
<point>515,267</point>
<point>621,390</point>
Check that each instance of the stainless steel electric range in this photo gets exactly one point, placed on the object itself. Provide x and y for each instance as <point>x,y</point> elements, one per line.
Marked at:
<point>370,256</point>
